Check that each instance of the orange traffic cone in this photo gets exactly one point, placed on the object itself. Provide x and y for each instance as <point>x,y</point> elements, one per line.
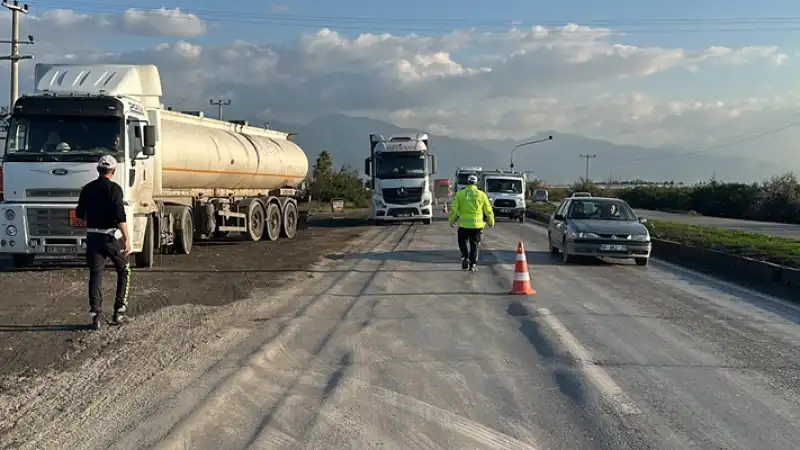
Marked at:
<point>522,280</point>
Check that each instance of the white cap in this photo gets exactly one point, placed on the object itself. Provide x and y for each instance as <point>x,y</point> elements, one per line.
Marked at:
<point>472,179</point>
<point>107,162</point>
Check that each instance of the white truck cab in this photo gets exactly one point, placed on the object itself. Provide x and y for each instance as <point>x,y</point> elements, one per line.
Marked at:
<point>506,190</point>
<point>462,173</point>
<point>401,169</point>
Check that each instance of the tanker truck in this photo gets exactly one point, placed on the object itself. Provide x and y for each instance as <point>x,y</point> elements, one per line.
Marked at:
<point>184,176</point>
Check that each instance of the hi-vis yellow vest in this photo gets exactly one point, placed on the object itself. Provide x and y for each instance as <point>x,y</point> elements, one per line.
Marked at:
<point>469,206</point>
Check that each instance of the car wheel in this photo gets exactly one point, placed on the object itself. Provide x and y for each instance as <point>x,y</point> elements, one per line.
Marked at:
<point>641,261</point>
<point>553,248</point>
<point>566,258</point>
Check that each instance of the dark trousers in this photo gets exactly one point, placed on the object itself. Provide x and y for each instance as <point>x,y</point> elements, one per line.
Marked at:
<point>473,237</point>
<point>99,248</point>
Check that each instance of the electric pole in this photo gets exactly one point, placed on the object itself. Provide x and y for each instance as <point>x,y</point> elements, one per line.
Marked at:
<point>219,104</point>
<point>15,57</point>
<point>587,157</point>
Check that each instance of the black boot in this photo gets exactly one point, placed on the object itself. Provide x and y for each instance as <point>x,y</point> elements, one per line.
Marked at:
<point>464,264</point>
<point>95,317</point>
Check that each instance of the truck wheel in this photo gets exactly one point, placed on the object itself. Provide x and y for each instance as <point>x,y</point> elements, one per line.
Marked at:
<point>273,228</point>
<point>255,220</point>
<point>427,221</point>
<point>289,228</point>
<point>145,258</point>
<point>21,261</point>
<point>522,218</point>
<point>184,237</point>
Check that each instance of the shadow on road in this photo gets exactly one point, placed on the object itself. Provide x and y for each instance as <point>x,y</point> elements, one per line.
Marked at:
<point>450,257</point>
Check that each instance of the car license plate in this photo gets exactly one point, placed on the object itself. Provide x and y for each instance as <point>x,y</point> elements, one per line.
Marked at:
<point>75,221</point>
<point>613,247</point>
<point>504,210</point>
<point>60,250</point>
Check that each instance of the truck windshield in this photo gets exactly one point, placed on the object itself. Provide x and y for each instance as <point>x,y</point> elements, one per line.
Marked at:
<point>462,177</point>
<point>504,186</point>
<point>68,138</point>
<point>401,165</point>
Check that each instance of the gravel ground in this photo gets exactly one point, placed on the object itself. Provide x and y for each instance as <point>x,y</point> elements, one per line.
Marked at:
<point>43,314</point>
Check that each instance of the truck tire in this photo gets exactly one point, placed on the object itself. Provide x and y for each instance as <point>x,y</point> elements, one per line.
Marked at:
<point>145,258</point>
<point>21,261</point>
<point>184,236</point>
<point>273,222</point>
<point>289,222</point>
<point>427,221</point>
<point>256,218</point>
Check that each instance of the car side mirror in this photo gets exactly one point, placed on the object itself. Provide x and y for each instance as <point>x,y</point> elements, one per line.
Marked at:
<point>642,219</point>
<point>558,216</point>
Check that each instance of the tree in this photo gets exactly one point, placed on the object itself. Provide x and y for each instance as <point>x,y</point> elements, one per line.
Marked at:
<point>322,174</point>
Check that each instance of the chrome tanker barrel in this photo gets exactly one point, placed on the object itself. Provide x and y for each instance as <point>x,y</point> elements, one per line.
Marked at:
<point>200,153</point>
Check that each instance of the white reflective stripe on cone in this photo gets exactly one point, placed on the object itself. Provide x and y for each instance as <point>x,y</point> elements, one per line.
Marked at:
<point>520,257</point>
<point>523,276</point>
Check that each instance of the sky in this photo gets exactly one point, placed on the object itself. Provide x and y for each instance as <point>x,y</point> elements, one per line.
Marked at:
<point>720,75</point>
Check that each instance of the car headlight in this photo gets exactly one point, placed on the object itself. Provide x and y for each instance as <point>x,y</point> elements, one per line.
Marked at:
<point>426,202</point>
<point>640,237</point>
<point>379,202</point>
<point>11,230</point>
<point>581,235</point>
<point>10,215</point>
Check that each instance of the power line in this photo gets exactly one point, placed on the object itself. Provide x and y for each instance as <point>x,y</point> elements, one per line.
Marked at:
<point>643,26</point>
<point>16,10</point>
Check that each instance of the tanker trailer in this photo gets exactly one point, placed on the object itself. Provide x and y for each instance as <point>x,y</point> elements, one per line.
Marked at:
<point>184,176</point>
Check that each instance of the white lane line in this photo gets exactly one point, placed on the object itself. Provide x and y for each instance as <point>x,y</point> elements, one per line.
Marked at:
<point>602,381</point>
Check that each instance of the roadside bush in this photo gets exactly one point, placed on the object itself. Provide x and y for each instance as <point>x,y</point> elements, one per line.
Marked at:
<point>327,184</point>
<point>774,200</point>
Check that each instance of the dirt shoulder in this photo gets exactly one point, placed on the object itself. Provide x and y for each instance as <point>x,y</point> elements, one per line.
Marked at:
<point>43,313</point>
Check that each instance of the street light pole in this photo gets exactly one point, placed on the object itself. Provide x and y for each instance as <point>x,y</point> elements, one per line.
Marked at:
<point>587,157</point>
<point>514,150</point>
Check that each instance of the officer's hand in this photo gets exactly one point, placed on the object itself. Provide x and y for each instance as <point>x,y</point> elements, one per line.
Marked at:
<point>452,225</point>
<point>127,250</point>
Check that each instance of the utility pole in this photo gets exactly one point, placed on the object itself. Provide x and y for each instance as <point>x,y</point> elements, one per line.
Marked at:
<point>15,57</point>
<point>219,104</point>
<point>587,157</point>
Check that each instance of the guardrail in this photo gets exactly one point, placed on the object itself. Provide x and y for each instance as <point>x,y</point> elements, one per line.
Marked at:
<point>741,270</point>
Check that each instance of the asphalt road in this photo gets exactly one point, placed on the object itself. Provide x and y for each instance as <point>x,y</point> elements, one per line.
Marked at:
<point>775,229</point>
<point>394,347</point>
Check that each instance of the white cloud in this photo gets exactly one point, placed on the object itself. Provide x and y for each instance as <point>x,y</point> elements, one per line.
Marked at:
<point>467,83</point>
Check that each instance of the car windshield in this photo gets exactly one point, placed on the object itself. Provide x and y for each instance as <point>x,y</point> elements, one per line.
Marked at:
<point>401,165</point>
<point>52,138</point>
<point>504,186</point>
<point>600,209</point>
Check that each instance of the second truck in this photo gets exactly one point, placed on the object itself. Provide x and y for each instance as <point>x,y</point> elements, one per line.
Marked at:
<point>183,176</point>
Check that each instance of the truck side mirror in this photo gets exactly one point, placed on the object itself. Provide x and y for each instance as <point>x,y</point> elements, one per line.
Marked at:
<point>434,164</point>
<point>149,140</point>
<point>367,166</point>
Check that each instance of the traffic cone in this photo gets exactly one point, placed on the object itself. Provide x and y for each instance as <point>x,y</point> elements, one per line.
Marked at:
<point>522,280</point>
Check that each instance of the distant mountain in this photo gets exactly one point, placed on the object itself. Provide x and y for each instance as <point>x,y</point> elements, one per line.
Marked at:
<point>557,161</point>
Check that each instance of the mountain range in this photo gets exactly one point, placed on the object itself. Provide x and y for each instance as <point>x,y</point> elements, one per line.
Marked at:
<point>556,161</point>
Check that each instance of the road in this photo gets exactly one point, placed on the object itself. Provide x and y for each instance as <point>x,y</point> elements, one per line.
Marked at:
<point>775,229</point>
<point>391,346</point>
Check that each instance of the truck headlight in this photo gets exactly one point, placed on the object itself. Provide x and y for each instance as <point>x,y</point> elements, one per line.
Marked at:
<point>379,202</point>
<point>426,202</point>
<point>11,230</point>
<point>10,215</point>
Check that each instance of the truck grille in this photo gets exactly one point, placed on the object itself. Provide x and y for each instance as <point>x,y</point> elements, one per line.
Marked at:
<point>57,193</point>
<point>505,203</point>
<point>51,222</point>
<point>393,196</point>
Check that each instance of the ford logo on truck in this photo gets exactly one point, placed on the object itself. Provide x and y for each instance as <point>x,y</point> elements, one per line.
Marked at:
<point>59,171</point>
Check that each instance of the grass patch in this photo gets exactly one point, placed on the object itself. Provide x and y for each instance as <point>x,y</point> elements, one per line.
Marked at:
<point>544,208</point>
<point>778,250</point>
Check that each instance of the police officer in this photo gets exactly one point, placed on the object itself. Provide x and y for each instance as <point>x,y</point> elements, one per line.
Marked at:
<point>101,205</point>
<point>469,207</point>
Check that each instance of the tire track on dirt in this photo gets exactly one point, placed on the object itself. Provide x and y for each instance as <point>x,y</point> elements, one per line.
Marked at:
<point>65,410</point>
<point>232,414</point>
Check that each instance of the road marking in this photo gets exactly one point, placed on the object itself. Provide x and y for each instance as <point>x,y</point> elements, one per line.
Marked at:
<point>602,381</point>
<point>446,419</point>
